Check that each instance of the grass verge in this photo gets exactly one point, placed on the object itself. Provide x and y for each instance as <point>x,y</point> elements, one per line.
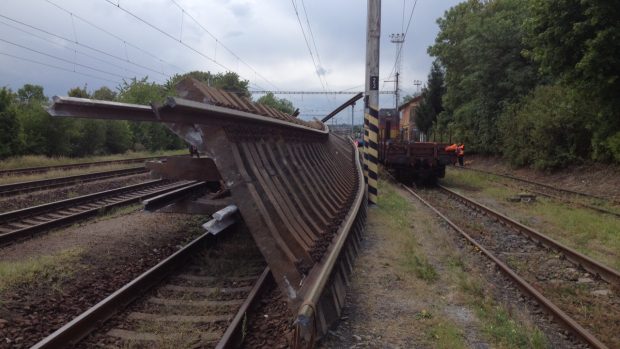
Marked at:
<point>51,268</point>
<point>471,291</point>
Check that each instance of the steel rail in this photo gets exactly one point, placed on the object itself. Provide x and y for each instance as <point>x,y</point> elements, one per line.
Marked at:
<point>606,273</point>
<point>567,191</point>
<point>307,314</point>
<point>12,236</point>
<point>560,315</point>
<point>17,171</point>
<point>233,336</point>
<point>78,328</point>
<point>30,186</point>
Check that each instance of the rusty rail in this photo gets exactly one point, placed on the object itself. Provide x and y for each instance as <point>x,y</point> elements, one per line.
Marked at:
<point>30,186</point>
<point>83,207</point>
<point>550,307</point>
<point>78,328</point>
<point>19,171</point>
<point>606,273</point>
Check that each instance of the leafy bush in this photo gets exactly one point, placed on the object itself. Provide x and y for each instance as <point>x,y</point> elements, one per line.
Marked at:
<point>547,129</point>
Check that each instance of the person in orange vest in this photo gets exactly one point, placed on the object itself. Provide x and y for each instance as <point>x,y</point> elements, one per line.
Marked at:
<point>460,153</point>
<point>452,149</point>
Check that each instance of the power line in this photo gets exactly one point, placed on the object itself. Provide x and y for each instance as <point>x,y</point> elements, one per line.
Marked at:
<point>68,48</point>
<point>316,70</point>
<point>82,45</point>
<point>152,55</point>
<point>404,37</point>
<point>221,44</point>
<point>57,67</point>
<point>163,32</point>
<point>318,57</point>
<point>63,59</point>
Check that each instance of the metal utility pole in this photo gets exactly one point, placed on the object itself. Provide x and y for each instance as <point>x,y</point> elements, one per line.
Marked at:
<point>417,84</point>
<point>397,39</point>
<point>352,122</point>
<point>371,112</point>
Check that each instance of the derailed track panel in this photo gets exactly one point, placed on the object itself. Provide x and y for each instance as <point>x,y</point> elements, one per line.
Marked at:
<point>298,188</point>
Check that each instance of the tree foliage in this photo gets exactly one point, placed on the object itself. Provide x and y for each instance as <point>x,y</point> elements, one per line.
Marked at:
<point>282,104</point>
<point>26,127</point>
<point>431,104</point>
<point>548,128</point>
<point>228,81</point>
<point>535,80</point>
<point>577,43</point>
<point>480,45</point>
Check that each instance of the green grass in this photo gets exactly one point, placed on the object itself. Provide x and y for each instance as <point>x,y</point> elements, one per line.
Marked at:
<point>40,160</point>
<point>507,333</point>
<point>587,231</point>
<point>447,335</point>
<point>497,323</point>
<point>50,268</point>
<point>396,213</point>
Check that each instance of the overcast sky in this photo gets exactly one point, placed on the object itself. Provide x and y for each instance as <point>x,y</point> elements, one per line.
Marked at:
<point>264,35</point>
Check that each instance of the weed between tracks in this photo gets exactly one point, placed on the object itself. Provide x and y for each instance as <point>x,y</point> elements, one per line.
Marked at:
<point>397,209</point>
<point>589,232</point>
<point>53,268</point>
<point>433,258</point>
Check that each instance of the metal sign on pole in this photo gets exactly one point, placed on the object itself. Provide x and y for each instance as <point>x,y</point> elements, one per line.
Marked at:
<point>371,111</point>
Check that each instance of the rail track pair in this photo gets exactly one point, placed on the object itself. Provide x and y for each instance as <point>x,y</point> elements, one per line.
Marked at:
<point>498,247</point>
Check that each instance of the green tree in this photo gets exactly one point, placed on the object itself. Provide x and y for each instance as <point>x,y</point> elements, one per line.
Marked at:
<point>577,42</point>
<point>10,128</point>
<point>104,93</point>
<point>431,105</point>
<point>480,44</point>
<point>87,136</point>
<point>31,93</point>
<point>281,104</point>
<point>548,129</point>
<point>152,136</point>
<point>228,81</point>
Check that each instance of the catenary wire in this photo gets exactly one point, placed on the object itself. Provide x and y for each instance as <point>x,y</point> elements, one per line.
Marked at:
<point>68,48</point>
<point>57,67</point>
<point>82,45</point>
<point>163,32</point>
<point>221,44</point>
<point>150,54</point>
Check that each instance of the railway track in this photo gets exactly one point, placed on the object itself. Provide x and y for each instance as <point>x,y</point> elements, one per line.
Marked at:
<point>20,224</point>
<point>31,186</point>
<point>581,294</point>
<point>198,297</point>
<point>299,188</point>
<point>31,170</point>
<point>559,194</point>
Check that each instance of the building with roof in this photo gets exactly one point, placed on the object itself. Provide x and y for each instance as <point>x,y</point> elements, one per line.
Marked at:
<point>408,128</point>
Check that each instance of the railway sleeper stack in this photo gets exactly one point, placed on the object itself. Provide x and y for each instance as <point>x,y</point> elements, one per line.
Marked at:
<point>298,187</point>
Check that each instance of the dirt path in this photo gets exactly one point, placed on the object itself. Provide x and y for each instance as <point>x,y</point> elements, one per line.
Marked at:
<point>417,286</point>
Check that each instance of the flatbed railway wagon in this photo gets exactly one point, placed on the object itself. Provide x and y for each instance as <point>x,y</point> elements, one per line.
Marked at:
<point>410,161</point>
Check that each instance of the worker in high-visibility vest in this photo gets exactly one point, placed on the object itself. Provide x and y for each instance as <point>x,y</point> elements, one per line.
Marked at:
<point>460,153</point>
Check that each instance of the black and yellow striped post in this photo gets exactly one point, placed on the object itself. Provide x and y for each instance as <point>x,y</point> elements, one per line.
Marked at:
<point>371,120</point>
<point>371,111</point>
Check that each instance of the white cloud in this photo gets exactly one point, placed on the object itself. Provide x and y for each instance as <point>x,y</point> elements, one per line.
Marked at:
<point>264,34</point>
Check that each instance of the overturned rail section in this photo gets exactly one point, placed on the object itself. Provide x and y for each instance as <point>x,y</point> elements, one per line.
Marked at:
<point>298,188</point>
